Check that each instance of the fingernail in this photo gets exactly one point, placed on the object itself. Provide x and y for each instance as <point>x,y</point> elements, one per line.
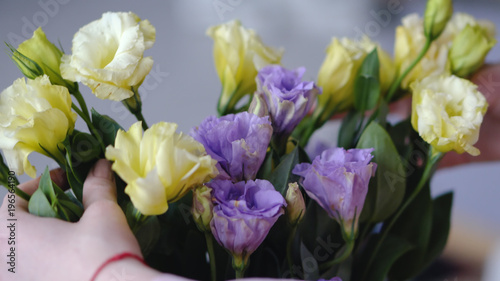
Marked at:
<point>102,169</point>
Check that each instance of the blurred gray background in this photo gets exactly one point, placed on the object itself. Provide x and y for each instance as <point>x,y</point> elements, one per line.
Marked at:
<point>183,86</point>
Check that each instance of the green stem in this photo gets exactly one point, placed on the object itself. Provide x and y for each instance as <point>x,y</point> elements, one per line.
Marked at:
<point>18,191</point>
<point>134,105</point>
<point>140,117</point>
<point>240,273</point>
<point>90,126</point>
<point>366,229</point>
<point>347,252</point>
<point>22,194</point>
<point>432,160</point>
<point>395,85</point>
<point>81,102</point>
<point>211,255</point>
<point>289,248</point>
<point>139,220</point>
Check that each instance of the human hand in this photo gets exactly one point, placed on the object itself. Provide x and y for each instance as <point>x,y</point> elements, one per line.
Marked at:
<point>61,250</point>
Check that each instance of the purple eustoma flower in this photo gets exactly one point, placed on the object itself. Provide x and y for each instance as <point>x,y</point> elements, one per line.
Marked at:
<point>243,214</point>
<point>338,181</point>
<point>237,141</point>
<point>288,99</point>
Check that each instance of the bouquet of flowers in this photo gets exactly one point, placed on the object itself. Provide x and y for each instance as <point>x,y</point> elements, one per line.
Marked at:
<point>243,194</point>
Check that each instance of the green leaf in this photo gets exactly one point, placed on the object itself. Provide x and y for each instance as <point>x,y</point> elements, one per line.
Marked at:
<point>75,183</point>
<point>283,172</point>
<point>441,215</point>
<point>309,264</point>
<point>106,126</point>
<point>349,129</point>
<point>317,228</point>
<point>40,206</point>
<point>51,201</point>
<point>391,249</point>
<point>76,169</point>
<point>387,189</point>
<point>414,225</point>
<point>267,166</point>
<point>400,134</point>
<point>367,85</point>
<point>73,210</point>
<point>46,186</point>
<point>41,202</point>
<point>84,148</point>
<point>148,234</point>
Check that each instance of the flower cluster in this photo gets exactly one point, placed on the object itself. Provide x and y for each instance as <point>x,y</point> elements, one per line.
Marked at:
<point>245,174</point>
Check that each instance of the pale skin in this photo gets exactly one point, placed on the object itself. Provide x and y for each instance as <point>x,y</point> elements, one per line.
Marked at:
<point>73,251</point>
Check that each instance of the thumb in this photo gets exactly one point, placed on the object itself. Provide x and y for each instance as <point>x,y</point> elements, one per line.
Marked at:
<point>99,185</point>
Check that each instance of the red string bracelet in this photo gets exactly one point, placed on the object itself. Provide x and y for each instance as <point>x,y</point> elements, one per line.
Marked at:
<point>116,258</point>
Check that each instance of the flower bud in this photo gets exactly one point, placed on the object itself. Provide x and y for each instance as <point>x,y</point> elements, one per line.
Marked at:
<point>239,54</point>
<point>339,69</point>
<point>296,207</point>
<point>202,207</point>
<point>469,49</point>
<point>436,16</point>
<point>134,103</point>
<point>37,56</point>
<point>258,106</point>
<point>28,67</point>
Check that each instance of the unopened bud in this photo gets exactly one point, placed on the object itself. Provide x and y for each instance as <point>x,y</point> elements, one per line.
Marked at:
<point>296,207</point>
<point>437,14</point>
<point>258,106</point>
<point>202,207</point>
<point>469,49</point>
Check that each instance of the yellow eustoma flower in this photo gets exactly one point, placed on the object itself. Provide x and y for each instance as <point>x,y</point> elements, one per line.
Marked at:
<point>34,114</point>
<point>160,166</point>
<point>469,50</point>
<point>447,112</point>
<point>410,39</point>
<point>108,55</point>
<point>238,54</point>
<point>339,69</point>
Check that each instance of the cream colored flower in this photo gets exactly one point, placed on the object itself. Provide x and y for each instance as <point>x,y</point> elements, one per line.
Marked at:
<point>410,40</point>
<point>108,55</point>
<point>340,67</point>
<point>159,167</point>
<point>469,50</point>
<point>239,54</point>
<point>447,112</point>
<point>34,114</point>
